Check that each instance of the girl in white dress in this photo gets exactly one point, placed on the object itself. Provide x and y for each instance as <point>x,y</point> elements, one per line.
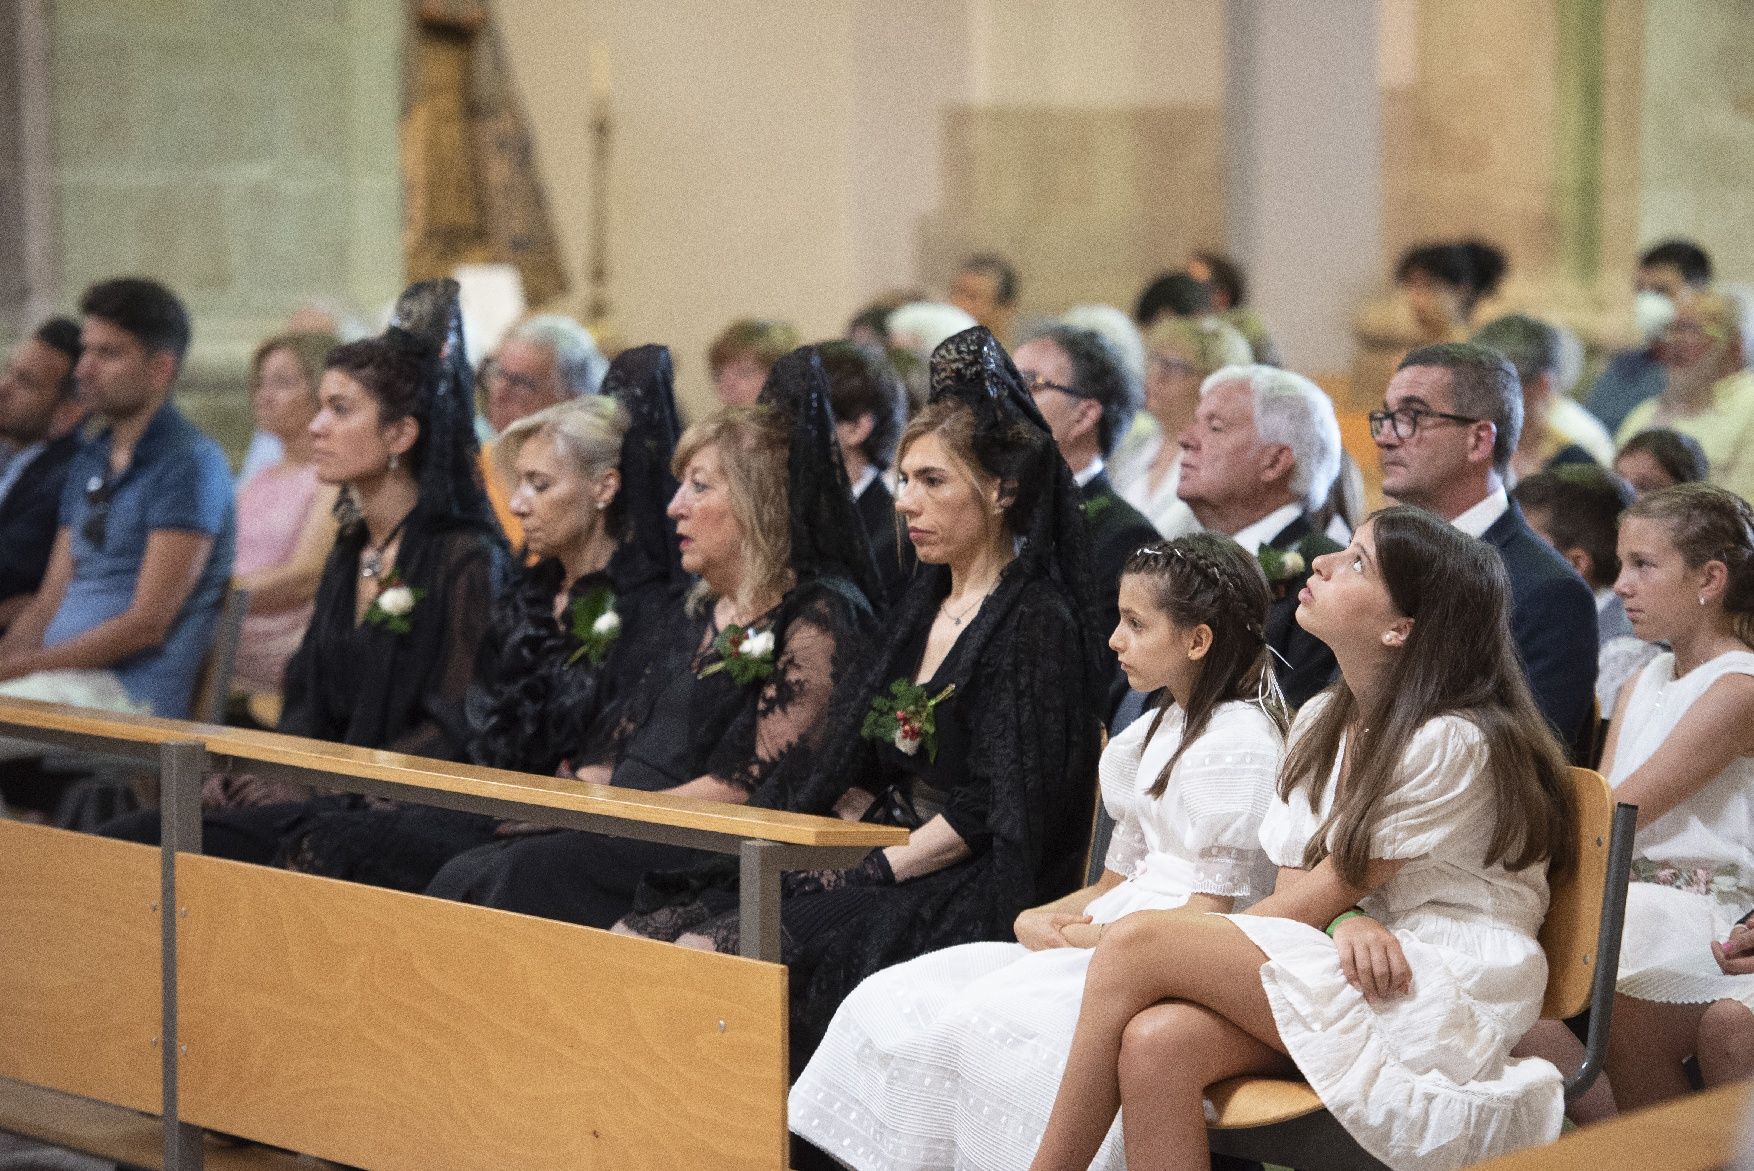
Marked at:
<point>1681,748</point>
<point>1421,802</point>
<point>951,1060</point>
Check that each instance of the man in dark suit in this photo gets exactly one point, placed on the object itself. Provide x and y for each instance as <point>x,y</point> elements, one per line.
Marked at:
<point>870,406</point>
<point>1261,454</point>
<point>1089,398</point>
<point>40,414</point>
<point>1449,424</point>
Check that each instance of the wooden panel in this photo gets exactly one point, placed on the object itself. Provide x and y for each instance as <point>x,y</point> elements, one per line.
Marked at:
<point>548,792</point>
<point>1574,916</point>
<point>1695,1133</point>
<point>117,1134</point>
<point>79,964</point>
<point>399,1033</point>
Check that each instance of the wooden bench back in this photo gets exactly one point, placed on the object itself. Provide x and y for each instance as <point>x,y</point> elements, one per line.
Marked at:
<point>1574,911</point>
<point>399,1033</point>
<point>80,997</point>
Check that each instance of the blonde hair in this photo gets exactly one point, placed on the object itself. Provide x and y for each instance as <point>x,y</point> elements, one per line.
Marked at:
<point>753,445</point>
<point>586,431</point>
<point>1212,344</point>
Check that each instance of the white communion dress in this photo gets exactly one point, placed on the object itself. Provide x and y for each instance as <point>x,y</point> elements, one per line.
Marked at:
<point>1693,867</point>
<point>1424,1081</point>
<point>952,1060</point>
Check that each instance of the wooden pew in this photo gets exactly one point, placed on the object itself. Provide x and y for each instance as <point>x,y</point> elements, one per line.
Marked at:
<point>392,1031</point>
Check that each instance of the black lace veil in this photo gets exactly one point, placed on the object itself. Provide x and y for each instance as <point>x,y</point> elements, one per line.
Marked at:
<point>1013,442</point>
<point>828,538</point>
<point>643,382</point>
<point>429,316</point>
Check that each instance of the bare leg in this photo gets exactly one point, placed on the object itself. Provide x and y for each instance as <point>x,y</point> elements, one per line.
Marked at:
<point>1556,1043</point>
<point>1170,1053</point>
<point>1145,958</point>
<point>1726,1043</point>
<point>1646,1047</point>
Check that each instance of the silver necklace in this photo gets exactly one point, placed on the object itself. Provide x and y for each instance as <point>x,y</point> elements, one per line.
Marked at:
<point>956,619</point>
<point>371,562</point>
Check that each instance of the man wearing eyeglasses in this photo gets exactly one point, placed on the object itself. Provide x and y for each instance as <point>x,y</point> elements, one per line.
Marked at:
<point>1445,436</point>
<point>1088,398</point>
<point>40,414</point>
<point>542,362</point>
<point>144,549</point>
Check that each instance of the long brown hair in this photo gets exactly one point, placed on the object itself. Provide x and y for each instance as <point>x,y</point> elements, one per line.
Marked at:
<point>1458,659</point>
<point>1207,579</point>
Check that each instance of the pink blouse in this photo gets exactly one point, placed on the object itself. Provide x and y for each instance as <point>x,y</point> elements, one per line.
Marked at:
<point>273,508</point>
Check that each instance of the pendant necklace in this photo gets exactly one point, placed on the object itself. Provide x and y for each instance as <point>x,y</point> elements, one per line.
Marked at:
<point>956,619</point>
<point>371,562</point>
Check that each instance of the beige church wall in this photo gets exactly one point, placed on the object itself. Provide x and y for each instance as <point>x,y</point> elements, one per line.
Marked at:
<point>793,159</point>
<point>243,153</point>
<point>1697,156</point>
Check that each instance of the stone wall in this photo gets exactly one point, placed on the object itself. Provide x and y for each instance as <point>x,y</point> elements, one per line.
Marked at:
<point>243,152</point>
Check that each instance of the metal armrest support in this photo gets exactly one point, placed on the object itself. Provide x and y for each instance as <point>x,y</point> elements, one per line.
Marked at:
<point>1613,924</point>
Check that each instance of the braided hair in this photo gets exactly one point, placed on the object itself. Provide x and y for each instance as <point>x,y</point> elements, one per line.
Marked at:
<point>1707,523</point>
<point>1207,580</point>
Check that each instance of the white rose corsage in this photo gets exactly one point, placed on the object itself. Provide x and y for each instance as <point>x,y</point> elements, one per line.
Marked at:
<point>393,608</point>
<point>744,653</point>
<point>595,624</point>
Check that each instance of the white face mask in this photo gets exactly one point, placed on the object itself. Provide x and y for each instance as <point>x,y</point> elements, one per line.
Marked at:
<point>1652,311</point>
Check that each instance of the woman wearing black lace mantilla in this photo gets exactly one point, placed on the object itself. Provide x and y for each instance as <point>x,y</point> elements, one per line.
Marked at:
<point>570,638</point>
<point>732,708</point>
<point>978,723</point>
<point>404,597</point>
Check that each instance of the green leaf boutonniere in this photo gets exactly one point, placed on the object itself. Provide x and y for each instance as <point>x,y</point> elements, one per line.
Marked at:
<point>1097,505</point>
<point>905,717</point>
<point>594,622</point>
<point>393,608</point>
<point>1280,566</point>
<point>744,653</point>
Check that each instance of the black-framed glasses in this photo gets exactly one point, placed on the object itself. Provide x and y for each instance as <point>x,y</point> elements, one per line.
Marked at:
<point>1405,423</point>
<point>98,491</point>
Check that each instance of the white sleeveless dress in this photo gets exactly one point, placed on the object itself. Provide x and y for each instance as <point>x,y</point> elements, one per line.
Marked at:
<point>1424,1081</point>
<point>952,1060</point>
<point>1693,867</point>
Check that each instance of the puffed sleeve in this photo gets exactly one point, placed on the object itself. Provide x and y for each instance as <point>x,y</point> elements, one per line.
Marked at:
<point>1435,801</point>
<point>1220,793</point>
<point>1119,772</point>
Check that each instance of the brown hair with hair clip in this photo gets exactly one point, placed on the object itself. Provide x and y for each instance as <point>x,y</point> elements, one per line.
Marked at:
<point>1207,580</point>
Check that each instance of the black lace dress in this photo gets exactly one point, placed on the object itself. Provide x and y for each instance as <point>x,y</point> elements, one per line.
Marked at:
<point>537,704</point>
<point>1014,776</point>
<point>760,736</point>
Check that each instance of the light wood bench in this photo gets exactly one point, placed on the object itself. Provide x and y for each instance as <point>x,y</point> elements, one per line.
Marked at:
<point>391,1031</point>
<point>1701,1132</point>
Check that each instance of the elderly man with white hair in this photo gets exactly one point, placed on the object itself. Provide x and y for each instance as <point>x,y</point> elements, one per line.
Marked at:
<point>1259,458</point>
<point>542,361</point>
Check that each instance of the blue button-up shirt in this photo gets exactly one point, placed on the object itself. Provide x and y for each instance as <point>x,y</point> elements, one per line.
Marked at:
<point>178,479</point>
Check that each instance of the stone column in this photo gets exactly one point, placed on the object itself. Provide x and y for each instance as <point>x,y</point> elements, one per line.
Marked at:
<point>1303,144</point>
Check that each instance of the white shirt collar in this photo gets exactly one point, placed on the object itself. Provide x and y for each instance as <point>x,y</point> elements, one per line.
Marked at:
<point>865,480</point>
<point>1252,537</point>
<point>1091,470</point>
<point>1483,515</point>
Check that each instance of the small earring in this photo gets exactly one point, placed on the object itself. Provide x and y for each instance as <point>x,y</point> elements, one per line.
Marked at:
<point>395,460</point>
<point>601,505</point>
<point>1702,599</point>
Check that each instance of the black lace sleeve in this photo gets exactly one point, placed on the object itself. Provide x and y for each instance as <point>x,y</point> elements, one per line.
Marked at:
<point>461,597</point>
<point>821,631</point>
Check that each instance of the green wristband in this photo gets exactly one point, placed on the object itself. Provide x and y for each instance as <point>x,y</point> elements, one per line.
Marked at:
<point>1354,913</point>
